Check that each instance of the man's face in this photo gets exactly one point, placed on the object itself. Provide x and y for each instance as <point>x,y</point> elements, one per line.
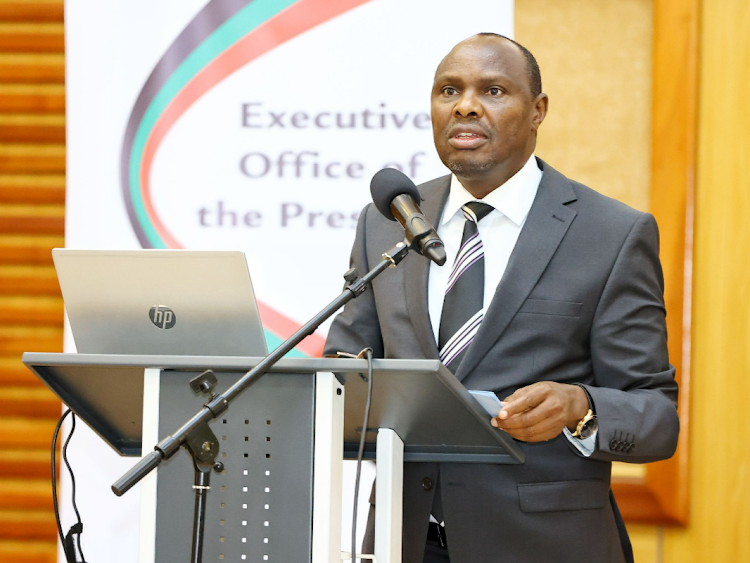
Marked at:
<point>484,118</point>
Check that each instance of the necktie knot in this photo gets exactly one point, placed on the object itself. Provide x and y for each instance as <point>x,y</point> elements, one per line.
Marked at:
<point>475,211</point>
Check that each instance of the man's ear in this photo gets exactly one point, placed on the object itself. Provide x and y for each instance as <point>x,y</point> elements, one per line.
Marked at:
<point>541,105</point>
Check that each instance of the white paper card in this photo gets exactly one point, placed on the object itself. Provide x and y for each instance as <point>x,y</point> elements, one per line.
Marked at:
<point>489,401</point>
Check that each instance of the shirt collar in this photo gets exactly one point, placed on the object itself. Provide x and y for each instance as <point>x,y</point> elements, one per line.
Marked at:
<point>513,199</point>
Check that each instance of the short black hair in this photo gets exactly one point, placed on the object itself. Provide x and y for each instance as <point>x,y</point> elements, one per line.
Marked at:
<point>532,68</point>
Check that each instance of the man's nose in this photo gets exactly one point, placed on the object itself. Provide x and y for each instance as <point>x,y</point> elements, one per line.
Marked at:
<point>468,105</point>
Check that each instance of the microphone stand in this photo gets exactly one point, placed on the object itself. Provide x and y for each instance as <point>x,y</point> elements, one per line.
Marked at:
<point>196,435</point>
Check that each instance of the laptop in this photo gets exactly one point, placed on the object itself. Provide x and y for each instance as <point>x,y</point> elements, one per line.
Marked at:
<point>160,302</point>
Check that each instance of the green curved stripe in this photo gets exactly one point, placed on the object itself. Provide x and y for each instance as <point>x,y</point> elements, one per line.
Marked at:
<point>274,342</point>
<point>234,29</point>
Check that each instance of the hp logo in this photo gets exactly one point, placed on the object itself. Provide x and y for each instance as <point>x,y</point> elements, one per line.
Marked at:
<point>163,317</point>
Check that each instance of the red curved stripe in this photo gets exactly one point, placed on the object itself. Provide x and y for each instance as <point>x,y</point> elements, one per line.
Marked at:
<point>296,19</point>
<point>283,327</point>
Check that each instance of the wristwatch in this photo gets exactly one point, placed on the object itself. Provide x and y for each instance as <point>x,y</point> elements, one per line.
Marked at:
<point>588,424</point>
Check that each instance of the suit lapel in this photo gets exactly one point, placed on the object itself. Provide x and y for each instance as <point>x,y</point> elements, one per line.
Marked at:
<point>417,268</point>
<point>545,227</point>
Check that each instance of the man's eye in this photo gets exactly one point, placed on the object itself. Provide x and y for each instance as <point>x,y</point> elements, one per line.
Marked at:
<point>450,91</point>
<point>495,91</point>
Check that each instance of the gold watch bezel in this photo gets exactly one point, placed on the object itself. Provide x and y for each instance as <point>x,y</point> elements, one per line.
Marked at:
<point>581,423</point>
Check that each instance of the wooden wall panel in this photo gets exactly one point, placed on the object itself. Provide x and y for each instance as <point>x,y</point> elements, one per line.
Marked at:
<point>622,79</point>
<point>32,98</point>
<point>720,466</point>
<point>28,249</point>
<point>22,158</point>
<point>14,374</point>
<point>595,59</point>
<point>32,68</point>
<point>30,11</point>
<point>32,128</point>
<point>662,496</point>
<point>32,38</point>
<point>32,216</point>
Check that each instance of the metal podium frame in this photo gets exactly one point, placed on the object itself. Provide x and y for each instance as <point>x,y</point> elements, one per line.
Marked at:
<point>420,412</point>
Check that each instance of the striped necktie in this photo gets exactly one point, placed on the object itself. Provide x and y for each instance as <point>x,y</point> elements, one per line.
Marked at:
<point>463,307</point>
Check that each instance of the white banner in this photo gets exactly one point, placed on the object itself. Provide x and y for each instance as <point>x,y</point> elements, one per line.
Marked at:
<point>247,125</point>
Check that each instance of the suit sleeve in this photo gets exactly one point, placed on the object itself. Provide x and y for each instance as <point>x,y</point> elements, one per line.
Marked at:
<point>357,326</point>
<point>635,395</point>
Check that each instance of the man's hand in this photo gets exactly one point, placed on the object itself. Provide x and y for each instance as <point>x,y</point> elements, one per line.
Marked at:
<point>539,412</point>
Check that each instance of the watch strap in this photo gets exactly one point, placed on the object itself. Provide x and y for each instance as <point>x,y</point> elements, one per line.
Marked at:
<point>589,418</point>
<point>588,396</point>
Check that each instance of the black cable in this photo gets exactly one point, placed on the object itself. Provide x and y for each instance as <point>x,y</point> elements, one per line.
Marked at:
<point>54,476</point>
<point>76,529</point>
<point>361,452</point>
<point>67,464</point>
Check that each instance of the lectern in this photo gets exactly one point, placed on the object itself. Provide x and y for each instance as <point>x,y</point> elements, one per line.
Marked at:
<point>283,442</point>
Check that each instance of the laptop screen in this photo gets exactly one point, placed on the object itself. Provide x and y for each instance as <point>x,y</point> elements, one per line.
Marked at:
<point>161,302</point>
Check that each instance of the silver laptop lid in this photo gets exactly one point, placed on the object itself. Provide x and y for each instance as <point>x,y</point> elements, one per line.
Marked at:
<point>185,302</point>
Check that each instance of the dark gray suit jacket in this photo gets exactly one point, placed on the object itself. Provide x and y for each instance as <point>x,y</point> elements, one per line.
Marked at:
<point>581,301</point>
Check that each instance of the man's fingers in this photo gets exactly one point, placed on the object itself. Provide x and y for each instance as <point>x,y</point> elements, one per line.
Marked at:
<point>535,413</point>
<point>529,419</point>
<point>551,408</point>
<point>525,419</point>
<point>522,400</point>
<point>545,430</point>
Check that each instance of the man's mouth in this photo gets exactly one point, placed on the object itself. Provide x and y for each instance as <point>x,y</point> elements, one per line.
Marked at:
<point>467,140</point>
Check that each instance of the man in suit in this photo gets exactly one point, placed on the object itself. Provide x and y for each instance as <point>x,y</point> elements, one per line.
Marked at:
<point>565,323</point>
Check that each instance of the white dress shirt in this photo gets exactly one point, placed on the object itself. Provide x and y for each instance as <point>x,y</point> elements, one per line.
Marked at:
<point>499,232</point>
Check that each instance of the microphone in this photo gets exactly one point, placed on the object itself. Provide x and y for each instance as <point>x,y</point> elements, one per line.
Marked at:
<point>396,197</point>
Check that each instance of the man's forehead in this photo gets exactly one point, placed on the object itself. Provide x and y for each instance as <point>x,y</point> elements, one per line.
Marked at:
<point>496,54</point>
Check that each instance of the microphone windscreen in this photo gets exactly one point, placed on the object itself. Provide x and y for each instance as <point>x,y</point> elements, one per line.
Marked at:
<point>386,185</point>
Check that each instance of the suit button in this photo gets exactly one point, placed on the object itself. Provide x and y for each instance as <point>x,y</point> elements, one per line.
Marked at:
<point>427,483</point>
<point>613,444</point>
<point>630,447</point>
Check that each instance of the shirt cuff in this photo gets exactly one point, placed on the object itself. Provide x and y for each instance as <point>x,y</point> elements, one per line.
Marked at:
<point>585,446</point>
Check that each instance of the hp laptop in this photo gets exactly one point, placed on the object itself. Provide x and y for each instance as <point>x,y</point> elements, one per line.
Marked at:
<point>163,302</point>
